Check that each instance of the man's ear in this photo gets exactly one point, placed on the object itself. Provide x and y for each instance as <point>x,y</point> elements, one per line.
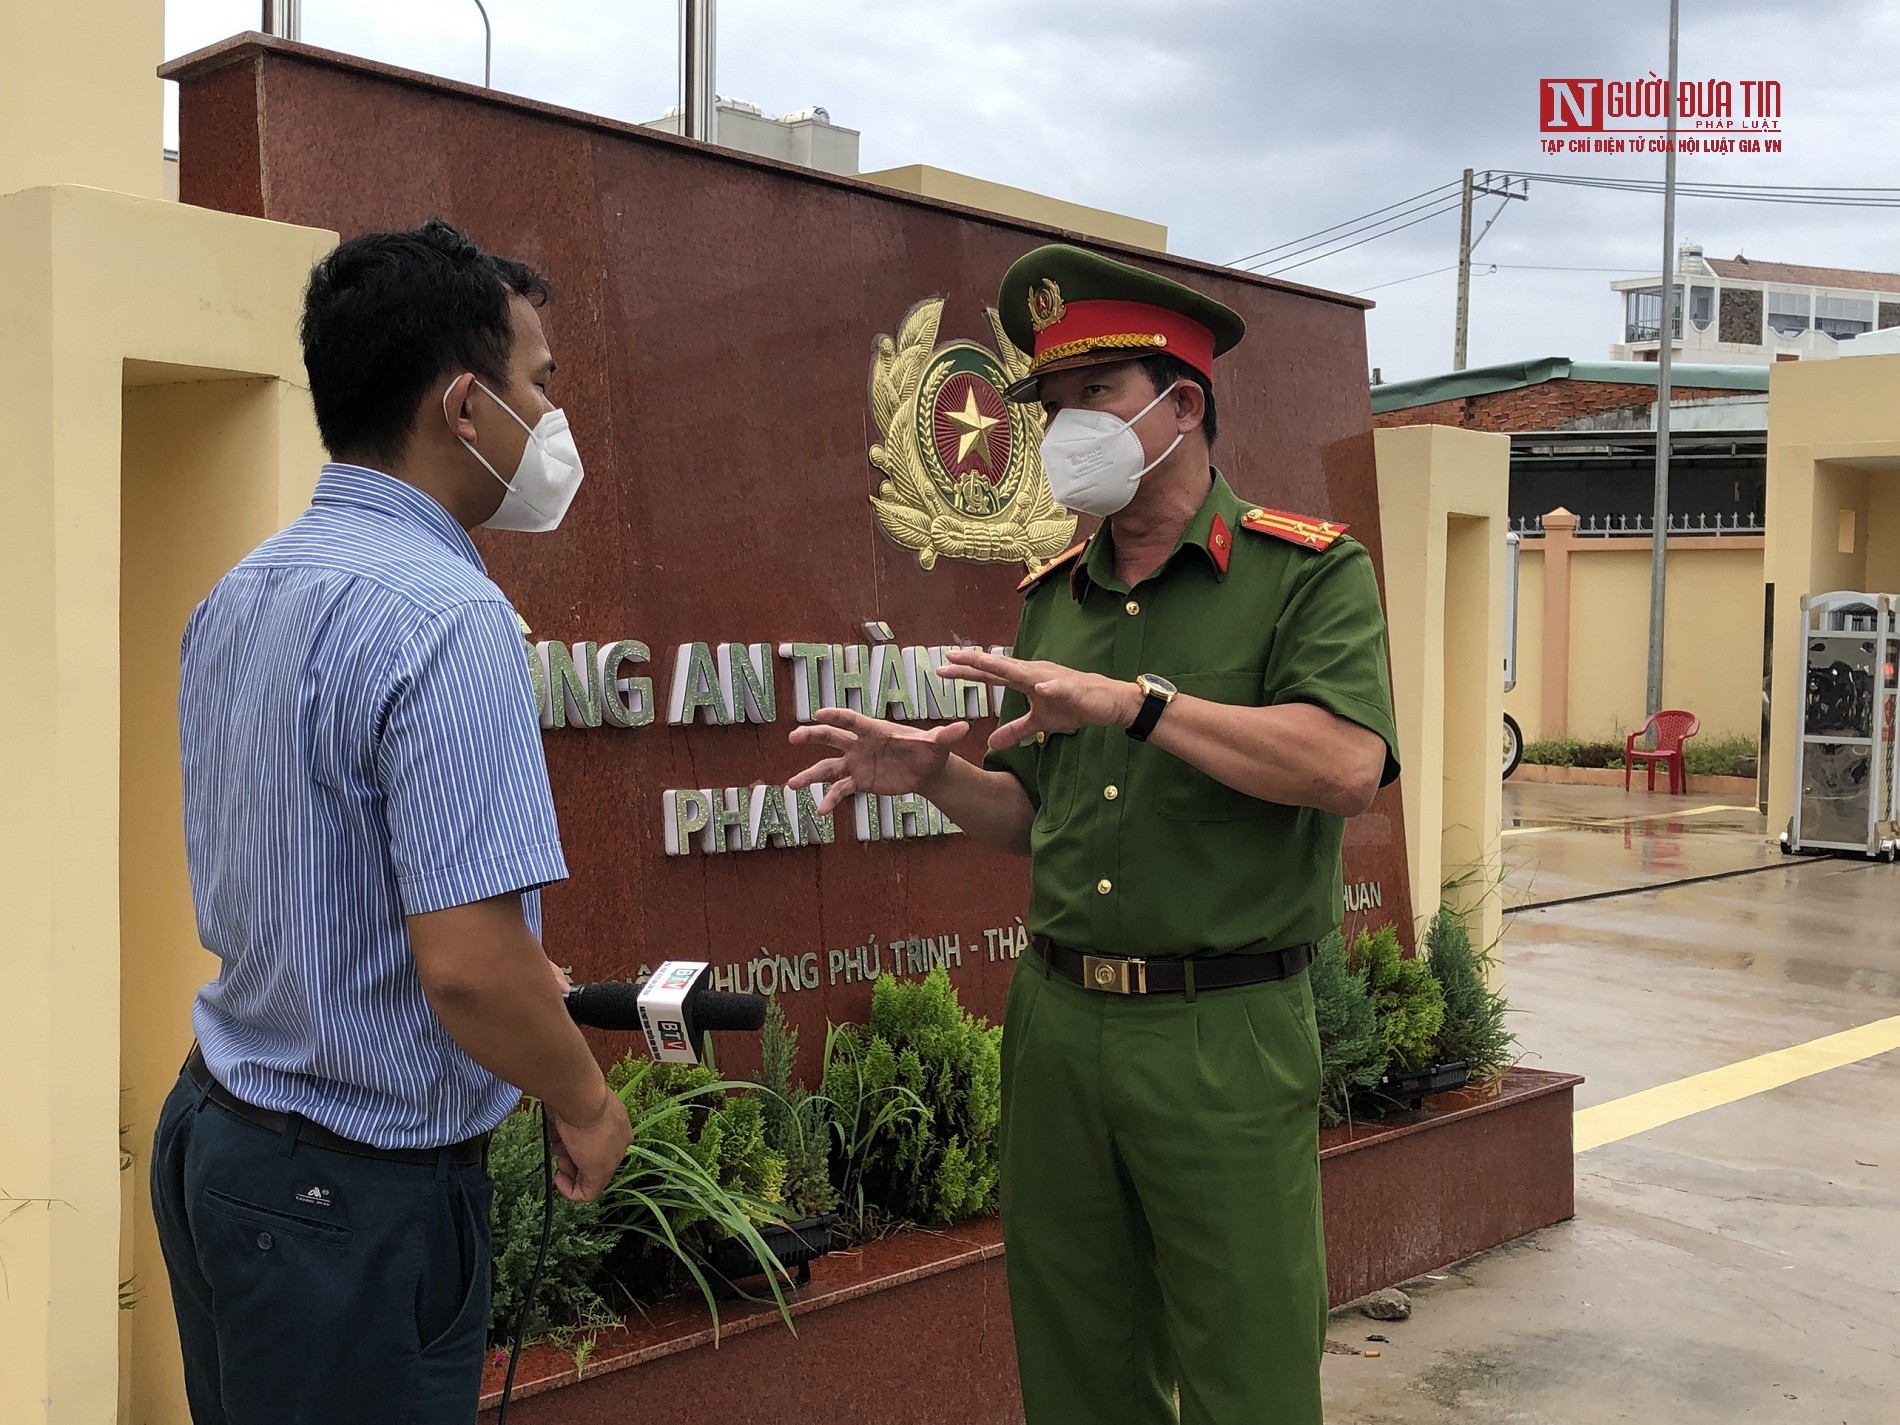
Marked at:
<point>455,405</point>
<point>1190,404</point>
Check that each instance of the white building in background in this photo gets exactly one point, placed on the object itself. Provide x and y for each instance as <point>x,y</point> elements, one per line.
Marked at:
<point>1742,312</point>
<point>807,137</point>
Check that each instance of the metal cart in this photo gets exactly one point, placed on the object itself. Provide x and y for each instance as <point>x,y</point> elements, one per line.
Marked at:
<point>1847,779</point>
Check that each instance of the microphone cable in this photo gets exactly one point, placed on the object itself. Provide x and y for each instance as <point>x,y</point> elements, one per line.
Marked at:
<point>540,1262</point>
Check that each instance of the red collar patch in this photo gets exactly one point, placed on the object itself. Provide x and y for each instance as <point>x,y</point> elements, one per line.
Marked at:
<point>1220,544</point>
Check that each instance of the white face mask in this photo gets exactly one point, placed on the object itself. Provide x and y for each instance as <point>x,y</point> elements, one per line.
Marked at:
<point>1094,459</point>
<point>546,478</point>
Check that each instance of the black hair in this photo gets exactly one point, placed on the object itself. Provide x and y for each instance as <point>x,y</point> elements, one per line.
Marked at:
<point>386,314</point>
<point>1166,370</point>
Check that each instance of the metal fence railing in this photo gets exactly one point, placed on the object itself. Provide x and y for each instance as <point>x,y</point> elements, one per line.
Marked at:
<point>1610,526</point>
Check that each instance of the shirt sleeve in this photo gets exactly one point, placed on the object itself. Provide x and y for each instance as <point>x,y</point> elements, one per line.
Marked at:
<point>465,785</point>
<point>1329,647</point>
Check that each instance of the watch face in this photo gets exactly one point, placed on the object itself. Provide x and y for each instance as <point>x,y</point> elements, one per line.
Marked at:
<point>1157,685</point>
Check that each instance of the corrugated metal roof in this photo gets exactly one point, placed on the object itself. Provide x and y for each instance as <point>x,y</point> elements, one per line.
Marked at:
<point>1798,276</point>
<point>1510,375</point>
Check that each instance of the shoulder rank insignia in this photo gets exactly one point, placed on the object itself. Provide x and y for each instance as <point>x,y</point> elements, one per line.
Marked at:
<point>1044,571</point>
<point>1302,530</point>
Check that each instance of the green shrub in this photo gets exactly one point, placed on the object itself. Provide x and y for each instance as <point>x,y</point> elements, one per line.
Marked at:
<point>915,1099</point>
<point>1407,1000</point>
<point>1552,752</point>
<point>795,1121</point>
<point>1716,757</point>
<point>570,1295</point>
<point>699,1171</point>
<point>1352,1051</point>
<point>1473,1029</point>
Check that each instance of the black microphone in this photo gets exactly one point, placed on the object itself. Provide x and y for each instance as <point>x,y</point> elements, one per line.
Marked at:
<point>616,1004</point>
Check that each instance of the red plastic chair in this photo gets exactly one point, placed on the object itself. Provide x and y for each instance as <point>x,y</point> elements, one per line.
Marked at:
<point>1672,728</point>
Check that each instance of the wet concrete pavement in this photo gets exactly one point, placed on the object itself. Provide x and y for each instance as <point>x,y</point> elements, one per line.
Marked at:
<point>1742,1264</point>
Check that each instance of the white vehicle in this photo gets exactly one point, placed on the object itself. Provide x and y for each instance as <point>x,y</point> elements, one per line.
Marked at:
<point>1513,734</point>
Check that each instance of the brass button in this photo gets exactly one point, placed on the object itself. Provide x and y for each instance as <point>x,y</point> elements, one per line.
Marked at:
<point>1133,607</point>
<point>1111,792</point>
<point>1104,886</point>
<point>1041,738</point>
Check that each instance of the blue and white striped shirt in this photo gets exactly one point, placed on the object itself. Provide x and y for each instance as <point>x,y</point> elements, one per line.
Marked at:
<point>360,744</point>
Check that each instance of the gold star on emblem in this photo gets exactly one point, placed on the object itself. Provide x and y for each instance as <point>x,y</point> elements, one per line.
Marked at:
<point>975,430</point>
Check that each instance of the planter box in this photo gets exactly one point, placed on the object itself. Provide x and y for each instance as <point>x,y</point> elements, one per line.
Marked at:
<point>1613,777</point>
<point>1410,1195</point>
<point>915,1329</point>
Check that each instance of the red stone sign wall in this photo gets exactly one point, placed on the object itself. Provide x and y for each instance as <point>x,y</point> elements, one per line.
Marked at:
<point>715,323</point>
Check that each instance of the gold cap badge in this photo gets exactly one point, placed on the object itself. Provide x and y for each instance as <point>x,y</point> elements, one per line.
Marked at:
<point>1045,304</point>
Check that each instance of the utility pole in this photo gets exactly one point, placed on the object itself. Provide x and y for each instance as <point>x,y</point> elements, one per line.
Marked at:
<point>284,19</point>
<point>1665,350</point>
<point>1466,242</point>
<point>1464,278</point>
<point>699,98</point>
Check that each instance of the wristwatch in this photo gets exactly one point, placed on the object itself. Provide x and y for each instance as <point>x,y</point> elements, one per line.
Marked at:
<point>1160,692</point>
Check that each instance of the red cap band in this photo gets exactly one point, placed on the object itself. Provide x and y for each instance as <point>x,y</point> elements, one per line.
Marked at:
<point>1135,329</point>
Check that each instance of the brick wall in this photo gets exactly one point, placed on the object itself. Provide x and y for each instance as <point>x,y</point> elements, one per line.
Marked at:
<point>1544,406</point>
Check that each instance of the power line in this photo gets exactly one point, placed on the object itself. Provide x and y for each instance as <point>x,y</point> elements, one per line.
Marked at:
<point>1399,281</point>
<point>1350,222</point>
<point>1451,207</point>
<point>1377,227</point>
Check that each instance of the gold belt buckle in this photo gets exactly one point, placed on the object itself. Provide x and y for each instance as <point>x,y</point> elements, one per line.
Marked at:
<point>1115,975</point>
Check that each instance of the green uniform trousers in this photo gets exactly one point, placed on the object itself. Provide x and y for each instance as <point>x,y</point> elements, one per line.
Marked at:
<point>1161,1204</point>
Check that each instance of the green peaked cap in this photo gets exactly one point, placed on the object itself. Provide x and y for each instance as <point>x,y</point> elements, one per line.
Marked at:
<point>1051,286</point>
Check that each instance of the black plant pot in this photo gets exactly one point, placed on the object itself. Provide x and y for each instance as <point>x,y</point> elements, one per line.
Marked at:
<point>796,1244</point>
<point>1406,1092</point>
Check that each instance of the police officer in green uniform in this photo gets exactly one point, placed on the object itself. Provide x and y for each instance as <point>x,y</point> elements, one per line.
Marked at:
<point>1198,699</point>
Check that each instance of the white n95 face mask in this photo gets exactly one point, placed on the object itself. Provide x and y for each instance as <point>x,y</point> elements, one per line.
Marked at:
<point>1094,459</point>
<point>546,478</point>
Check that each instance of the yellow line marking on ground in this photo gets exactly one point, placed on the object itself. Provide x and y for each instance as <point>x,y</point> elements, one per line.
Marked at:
<point>1529,830</point>
<point>1652,1108</point>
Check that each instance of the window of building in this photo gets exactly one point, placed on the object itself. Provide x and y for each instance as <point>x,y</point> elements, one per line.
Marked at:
<point>1701,307</point>
<point>1643,314</point>
<point>1789,313</point>
<point>1843,317</point>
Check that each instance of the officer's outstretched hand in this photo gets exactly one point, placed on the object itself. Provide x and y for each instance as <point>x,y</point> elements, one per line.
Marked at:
<point>1060,699</point>
<point>871,755</point>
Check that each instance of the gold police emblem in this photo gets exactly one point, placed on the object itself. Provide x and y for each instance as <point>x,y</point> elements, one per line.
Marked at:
<point>962,466</point>
<point>1045,304</point>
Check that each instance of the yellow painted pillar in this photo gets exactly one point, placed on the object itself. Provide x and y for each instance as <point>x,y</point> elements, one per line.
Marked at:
<point>82,101</point>
<point>151,390</point>
<point>1560,529</point>
<point>1443,516</point>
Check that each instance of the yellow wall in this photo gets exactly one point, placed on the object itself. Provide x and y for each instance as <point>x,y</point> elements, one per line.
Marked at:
<point>928,182</point>
<point>178,480</point>
<point>1833,444</point>
<point>1711,637</point>
<point>1443,503</point>
<point>81,100</point>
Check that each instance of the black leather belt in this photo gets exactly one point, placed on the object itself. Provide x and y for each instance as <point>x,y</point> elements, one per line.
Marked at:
<point>469,1153</point>
<point>1129,975</point>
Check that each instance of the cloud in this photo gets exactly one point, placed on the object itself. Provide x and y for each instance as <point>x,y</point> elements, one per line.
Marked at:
<point>1244,123</point>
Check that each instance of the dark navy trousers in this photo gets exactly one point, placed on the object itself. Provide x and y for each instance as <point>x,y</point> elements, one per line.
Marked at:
<point>315,1287</point>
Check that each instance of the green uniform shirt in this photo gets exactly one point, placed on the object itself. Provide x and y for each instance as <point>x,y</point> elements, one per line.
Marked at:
<point>1135,852</point>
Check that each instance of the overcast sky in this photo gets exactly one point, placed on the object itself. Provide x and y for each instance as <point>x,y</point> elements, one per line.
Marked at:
<point>1245,123</point>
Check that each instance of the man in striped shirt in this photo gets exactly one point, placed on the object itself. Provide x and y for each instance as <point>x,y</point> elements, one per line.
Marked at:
<point>368,821</point>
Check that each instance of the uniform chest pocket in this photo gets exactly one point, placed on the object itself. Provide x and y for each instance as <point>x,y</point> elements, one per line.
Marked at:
<point>1058,774</point>
<point>1186,793</point>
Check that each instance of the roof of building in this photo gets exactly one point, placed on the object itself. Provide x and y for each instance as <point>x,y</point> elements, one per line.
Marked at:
<point>1510,375</point>
<point>1798,276</point>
